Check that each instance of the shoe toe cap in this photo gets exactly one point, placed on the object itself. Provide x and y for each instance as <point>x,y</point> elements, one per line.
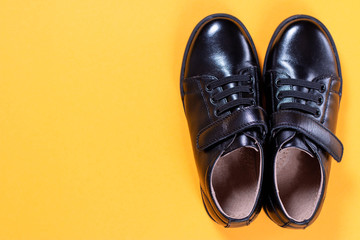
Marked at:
<point>220,48</point>
<point>303,44</point>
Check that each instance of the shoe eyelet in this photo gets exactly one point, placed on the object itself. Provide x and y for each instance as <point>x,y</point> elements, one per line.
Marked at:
<point>322,88</point>
<point>253,103</point>
<point>212,101</point>
<point>251,90</point>
<point>279,95</point>
<point>320,100</point>
<point>277,83</point>
<point>207,88</point>
<point>216,113</point>
<point>317,113</point>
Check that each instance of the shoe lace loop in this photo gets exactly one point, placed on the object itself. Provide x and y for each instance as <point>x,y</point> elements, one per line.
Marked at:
<point>241,85</point>
<point>297,94</point>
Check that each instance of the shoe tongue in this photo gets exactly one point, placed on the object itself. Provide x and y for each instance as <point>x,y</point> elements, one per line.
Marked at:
<point>292,139</point>
<point>242,140</point>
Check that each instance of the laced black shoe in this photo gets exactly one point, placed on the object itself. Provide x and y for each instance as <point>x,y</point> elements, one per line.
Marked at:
<point>221,97</point>
<point>304,83</point>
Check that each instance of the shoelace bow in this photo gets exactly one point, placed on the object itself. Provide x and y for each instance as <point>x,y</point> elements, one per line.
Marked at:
<point>238,84</point>
<point>308,96</point>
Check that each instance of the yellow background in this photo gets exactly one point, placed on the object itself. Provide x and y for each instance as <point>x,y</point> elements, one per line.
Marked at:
<point>93,139</point>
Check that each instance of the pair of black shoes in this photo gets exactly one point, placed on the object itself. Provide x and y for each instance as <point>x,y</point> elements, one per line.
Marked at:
<point>248,157</point>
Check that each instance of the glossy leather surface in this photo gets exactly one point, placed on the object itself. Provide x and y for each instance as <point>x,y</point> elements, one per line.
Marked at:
<point>216,40</point>
<point>302,48</point>
<point>220,47</point>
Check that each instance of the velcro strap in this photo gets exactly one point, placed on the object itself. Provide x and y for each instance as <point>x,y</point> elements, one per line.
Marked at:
<point>238,121</point>
<point>310,128</point>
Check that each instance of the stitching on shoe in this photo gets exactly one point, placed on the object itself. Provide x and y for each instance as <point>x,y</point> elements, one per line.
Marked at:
<point>198,77</point>
<point>248,68</point>
<point>207,199</point>
<point>207,211</point>
<point>276,212</point>
<point>316,138</point>
<point>327,102</point>
<point>221,120</point>
<point>223,135</point>
<point>342,147</point>
<point>204,100</point>
<point>201,76</point>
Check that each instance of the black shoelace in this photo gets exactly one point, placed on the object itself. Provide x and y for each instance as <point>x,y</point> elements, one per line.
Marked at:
<point>307,96</point>
<point>238,84</point>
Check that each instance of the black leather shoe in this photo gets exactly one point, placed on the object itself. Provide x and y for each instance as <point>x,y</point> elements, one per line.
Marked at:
<point>220,92</point>
<point>303,78</point>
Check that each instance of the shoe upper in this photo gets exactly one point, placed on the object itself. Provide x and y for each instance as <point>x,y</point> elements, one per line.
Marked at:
<point>304,84</point>
<point>221,98</point>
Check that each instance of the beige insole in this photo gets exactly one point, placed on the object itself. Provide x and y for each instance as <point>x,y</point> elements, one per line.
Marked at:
<point>235,182</point>
<point>298,180</point>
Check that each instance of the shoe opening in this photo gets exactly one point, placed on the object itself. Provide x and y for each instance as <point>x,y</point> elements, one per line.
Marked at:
<point>235,182</point>
<point>298,181</point>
